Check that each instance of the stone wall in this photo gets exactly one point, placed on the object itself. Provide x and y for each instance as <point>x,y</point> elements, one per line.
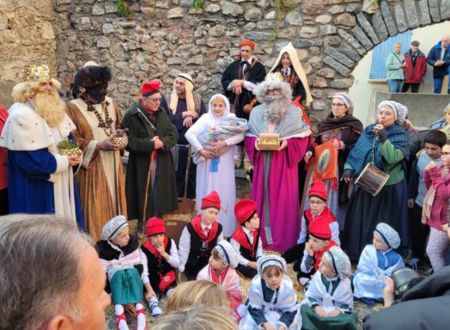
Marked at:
<point>26,37</point>
<point>161,38</point>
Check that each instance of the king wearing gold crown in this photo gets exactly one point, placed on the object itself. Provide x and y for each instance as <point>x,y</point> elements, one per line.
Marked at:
<point>276,142</point>
<point>41,180</point>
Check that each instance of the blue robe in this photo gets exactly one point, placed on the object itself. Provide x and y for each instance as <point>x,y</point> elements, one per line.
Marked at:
<point>373,266</point>
<point>29,189</point>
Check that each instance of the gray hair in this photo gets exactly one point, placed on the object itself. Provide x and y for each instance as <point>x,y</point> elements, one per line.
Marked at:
<point>40,272</point>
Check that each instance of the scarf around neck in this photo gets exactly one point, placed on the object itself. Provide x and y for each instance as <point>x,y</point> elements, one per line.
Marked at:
<point>367,149</point>
<point>330,122</point>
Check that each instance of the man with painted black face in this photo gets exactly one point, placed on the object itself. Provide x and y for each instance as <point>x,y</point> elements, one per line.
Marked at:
<point>100,180</point>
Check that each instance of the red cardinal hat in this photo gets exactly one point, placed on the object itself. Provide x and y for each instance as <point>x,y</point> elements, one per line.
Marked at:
<point>212,200</point>
<point>151,87</point>
<point>155,226</point>
<point>247,42</point>
<point>320,229</point>
<point>244,210</point>
<point>318,190</point>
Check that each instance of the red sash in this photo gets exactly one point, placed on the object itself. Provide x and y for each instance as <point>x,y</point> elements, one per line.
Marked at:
<point>196,224</point>
<point>318,255</point>
<point>149,246</point>
<point>218,278</point>
<point>326,216</point>
<point>240,237</point>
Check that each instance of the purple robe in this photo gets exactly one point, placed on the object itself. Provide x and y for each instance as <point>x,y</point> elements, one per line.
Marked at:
<point>282,191</point>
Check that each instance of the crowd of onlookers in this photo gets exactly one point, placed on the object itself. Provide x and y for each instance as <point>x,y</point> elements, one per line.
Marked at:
<point>405,70</point>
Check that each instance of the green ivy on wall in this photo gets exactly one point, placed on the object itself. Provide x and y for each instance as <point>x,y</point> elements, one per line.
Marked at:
<point>198,4</point>
<point>281,7</point>
<point>122,7</point>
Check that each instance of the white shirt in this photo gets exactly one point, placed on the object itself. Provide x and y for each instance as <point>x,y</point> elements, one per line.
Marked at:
<point>237,246</point>
<point>185,245</point>
<point>248,85</point>
<point>334,227</point>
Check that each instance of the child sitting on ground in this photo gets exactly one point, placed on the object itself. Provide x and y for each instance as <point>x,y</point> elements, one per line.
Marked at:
<point>162,257</point>
<point>272,301</point>
<point>318,211</point>
<point>220,270</point>
<point>126,268</point>
<point>328,302</point>
<point>377,261</point>
<point>435,209</point>
<point>319,242</point>
<point>246,240</point>
<point>200,236</point>
<point>434,141</point>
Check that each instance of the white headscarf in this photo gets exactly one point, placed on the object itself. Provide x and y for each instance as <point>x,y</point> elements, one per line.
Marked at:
<point>227,253</point>
<point>226,112</point>
<point>400,111</point>
<point>271,260</point>
<point>188,87</point>
<point>298,68</point>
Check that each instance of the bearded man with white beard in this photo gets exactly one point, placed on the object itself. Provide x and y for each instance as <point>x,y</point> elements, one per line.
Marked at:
<point>40,179</point>
<point>275,177</point>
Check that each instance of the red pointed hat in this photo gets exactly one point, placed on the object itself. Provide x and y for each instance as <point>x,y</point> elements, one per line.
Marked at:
<point>247,42</point>
<point>155,226</point>
<point>212,200</point>
<point>318,190</point>
<point>320,229</point>
<point>151,87</point>
<point>244,209</point>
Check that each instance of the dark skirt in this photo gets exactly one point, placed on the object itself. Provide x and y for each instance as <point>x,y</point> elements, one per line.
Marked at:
<point>365,212</point>
<point>312,321</point>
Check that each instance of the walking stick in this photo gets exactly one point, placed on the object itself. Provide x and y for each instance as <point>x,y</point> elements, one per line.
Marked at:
<point>116,191</point>
<point>147,184</point>
<point>188,168</point>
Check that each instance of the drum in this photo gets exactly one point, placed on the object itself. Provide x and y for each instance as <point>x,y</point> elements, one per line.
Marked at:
<point>372,179</point>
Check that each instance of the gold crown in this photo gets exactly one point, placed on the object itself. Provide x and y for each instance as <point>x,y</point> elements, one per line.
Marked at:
<point>38,72</point>
<point>274,77</point>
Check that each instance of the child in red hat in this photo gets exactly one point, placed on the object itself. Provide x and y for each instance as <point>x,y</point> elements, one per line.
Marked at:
<point>162,257</point>
<point>245,240</point>
<point>200,236</point>
<point>318,211</point>
<point>319,242</point>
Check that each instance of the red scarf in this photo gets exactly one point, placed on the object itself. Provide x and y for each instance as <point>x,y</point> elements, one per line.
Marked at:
<point>196,224</point>
<point>318,255</point>
<point>149,246</point>
<point>326,216</point>
<point>241,237</point>
<point>217,277</point>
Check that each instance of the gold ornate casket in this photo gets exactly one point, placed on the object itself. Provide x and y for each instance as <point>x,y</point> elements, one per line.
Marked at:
<point>268,142</point>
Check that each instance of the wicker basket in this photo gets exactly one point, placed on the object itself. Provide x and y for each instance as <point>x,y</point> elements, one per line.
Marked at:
<point>120,140</point>
<point>70,151</point>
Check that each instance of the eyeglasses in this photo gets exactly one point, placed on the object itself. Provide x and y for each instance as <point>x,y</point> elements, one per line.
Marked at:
<point>153,99</point>
<point>337,104</point>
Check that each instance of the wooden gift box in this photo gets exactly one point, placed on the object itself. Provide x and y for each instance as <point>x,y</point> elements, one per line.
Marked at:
<point>269,142</point>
